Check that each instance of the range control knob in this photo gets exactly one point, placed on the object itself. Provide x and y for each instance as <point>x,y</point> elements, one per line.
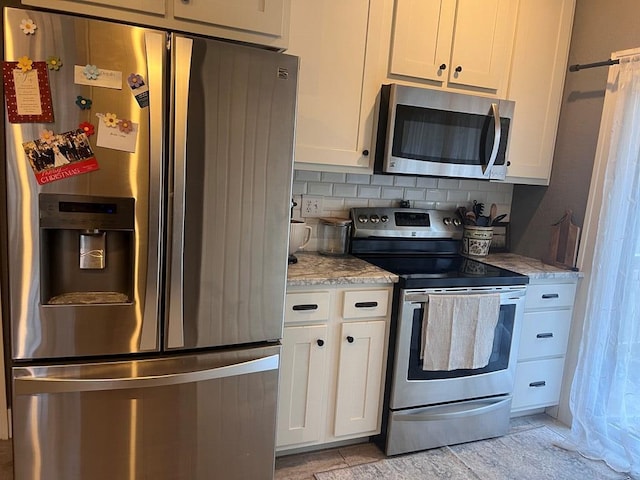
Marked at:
<point>374,219</point>
<point>446,221</point>
<point>363,218</point>
<point>456,222</point>
<point>384,219</point>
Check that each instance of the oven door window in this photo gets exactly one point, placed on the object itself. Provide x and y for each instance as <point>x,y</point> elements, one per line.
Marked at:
<point>499,359</point>
<point>441,136</point>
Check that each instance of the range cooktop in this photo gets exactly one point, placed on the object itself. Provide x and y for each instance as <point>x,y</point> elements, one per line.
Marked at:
<point>421,247</point>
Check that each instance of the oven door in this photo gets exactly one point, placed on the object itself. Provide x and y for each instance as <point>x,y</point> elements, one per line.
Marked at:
<point>413,387</point>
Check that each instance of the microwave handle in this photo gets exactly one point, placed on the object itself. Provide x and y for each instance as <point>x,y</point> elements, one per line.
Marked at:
<point>496,139</point>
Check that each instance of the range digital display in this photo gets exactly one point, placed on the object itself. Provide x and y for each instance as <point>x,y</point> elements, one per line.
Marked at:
<point>409,219</point>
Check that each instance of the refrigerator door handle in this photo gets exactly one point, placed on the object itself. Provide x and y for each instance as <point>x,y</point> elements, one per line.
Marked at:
<point>181,72</point>
<point>41,385</point>
<point>155,53</point>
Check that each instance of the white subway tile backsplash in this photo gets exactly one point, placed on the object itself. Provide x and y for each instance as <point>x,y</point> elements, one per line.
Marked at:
<point>324,189</point>
<point>434,195</point>
<point>358,178</point>
<point>414,193</point>
<point>382,180</point>
<point>341,192</point>
<point>426,182</point>
<point>345,190</point>
<point>330,177</point>
<point>392,193</point>
<point>369,191</point>
<point>307,175</point>
<point>448,184</point>
<point>402,181</point>
<point>457,196</point>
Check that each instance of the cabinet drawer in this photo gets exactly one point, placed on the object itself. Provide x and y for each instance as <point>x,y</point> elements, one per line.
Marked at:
<point>365,303</point>
<point>306,307</point>
<point>537,384</point>
<point>544,334</point>
<point>550,296</point>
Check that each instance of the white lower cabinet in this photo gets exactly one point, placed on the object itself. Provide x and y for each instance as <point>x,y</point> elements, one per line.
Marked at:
<point>332,366</point>
<point>543,345</point>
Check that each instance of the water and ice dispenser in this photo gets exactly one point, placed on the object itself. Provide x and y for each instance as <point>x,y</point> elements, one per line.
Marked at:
<point>86,249</point>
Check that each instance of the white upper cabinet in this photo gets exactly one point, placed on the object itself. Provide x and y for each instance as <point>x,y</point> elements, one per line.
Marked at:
<point>264,22</point>
<point>456,44</point>
<point>336,41</point>
<point>541,49</point>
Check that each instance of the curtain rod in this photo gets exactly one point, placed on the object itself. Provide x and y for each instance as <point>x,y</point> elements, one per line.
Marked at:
<point>576,67</point>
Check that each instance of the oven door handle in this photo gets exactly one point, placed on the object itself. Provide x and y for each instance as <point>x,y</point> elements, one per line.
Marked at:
<point>420,297</point>
<point>486,406</point>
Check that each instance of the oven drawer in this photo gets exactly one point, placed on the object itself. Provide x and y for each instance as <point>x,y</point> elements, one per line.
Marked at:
<point>430,427</point>
<point>538,383</point>
<point>365,303</point>
<point>550,295</point>
<point>306,307</point>
<point>544,334</point>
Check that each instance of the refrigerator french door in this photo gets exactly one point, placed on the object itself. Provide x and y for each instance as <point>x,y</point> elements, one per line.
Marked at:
<point>146,296</point>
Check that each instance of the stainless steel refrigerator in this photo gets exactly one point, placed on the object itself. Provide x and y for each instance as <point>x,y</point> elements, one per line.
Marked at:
<point>147,252</point>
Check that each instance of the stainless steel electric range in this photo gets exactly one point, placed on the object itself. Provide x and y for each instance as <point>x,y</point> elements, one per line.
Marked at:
<point>431,407</point>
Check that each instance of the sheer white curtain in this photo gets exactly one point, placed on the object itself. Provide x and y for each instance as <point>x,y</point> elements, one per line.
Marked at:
<point>605,396</point>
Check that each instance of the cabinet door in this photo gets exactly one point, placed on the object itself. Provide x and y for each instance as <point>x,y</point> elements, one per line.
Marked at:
<point>422,38</point>
<point>360,374</point>
<point>302,379</point>
<point>336,98</point>
<point>538,70</point>
<point>266,16</point>
<point>482,43</point>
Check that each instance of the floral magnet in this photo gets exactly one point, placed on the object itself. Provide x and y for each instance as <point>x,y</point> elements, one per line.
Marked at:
<point>91,72</point>
<point>110,120</point>
<point>135,80</point>
<point>28,26</point>
<point>83,103</point>
<point>54,63</point>
<point>47,136</point>
<point>125,126</point>
<point>88,128</point>
<point>25,64</point>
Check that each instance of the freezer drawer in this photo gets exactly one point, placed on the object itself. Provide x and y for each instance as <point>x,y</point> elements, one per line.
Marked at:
<point>194,417</point>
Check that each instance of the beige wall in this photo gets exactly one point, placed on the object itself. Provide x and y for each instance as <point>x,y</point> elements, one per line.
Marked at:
<point>600,27</point>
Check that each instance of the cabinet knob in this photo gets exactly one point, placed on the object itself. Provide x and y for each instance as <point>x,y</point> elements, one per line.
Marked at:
<point>320,342</point>
<point>459,68</point>
<point>365,153</point>
<point>508,163</point>
<point>443,66</point>
<point>350,339</point>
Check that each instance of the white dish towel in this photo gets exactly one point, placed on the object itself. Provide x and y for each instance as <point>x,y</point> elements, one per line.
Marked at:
<point>458,331</point>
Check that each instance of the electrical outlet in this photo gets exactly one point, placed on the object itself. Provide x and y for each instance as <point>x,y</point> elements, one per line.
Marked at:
<point>311,206</point>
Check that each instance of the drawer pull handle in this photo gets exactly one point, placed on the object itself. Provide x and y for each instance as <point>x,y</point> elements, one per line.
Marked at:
<point>538,384</point>
<point>320,342</point>
<point>305,307</point>
<point>366,304</point>
<point>350,339</point>
<point>550,295</point>
<point>545,335</point>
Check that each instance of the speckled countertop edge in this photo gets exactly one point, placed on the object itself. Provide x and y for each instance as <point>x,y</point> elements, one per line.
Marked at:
<point>315,269</point>
<point>533,268</point>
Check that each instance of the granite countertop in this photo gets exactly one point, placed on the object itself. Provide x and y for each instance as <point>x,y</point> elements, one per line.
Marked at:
<point>315,269</point>
<point>533,268</point>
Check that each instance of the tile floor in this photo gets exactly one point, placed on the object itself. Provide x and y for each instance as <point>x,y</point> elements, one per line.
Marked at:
<point>303,466</point>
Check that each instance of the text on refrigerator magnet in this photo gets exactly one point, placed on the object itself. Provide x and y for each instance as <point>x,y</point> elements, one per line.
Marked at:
<point>139,89</point>
<point>27,92</point>
<point>94,76</point>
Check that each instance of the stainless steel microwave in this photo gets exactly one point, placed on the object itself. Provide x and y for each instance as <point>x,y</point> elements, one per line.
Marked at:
<point>431,132</point>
